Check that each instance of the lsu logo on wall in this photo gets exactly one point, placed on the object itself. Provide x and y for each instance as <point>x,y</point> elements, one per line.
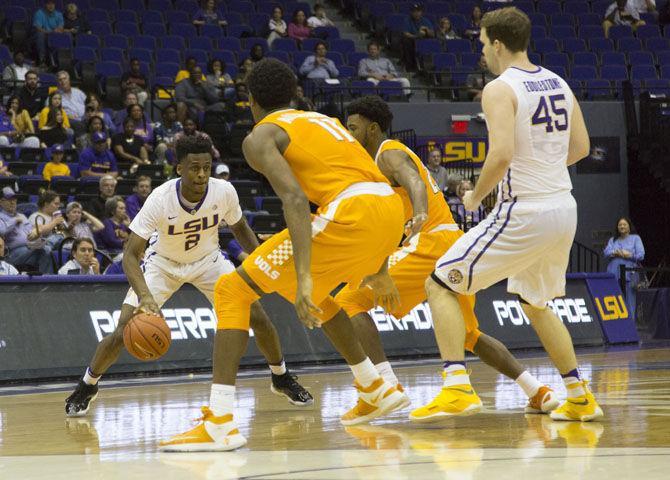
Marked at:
<point>460,149</point>
<point>612,307</point>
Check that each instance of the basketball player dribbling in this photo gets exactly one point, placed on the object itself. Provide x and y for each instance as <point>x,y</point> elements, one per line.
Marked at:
<point>536,130</point>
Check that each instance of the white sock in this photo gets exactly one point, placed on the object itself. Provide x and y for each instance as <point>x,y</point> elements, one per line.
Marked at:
<point>574,387</point>
<point>365,372</point>
<point>456,375</point>
<point>222,399</point>
<point>278,369</point>
<point>529,384</point>
<point>386,371</point>
<point>90,379</point>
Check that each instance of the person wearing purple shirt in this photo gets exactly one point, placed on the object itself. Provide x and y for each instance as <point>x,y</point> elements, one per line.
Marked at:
<point>113,237</point>
<point>98,160</point>
<point>135,201</point>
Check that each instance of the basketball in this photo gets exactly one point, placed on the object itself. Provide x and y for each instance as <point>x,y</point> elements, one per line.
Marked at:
<point>147,336</point>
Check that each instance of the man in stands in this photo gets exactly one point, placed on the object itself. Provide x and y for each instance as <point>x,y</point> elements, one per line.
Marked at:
<point>621,12</point>
<point>644,6</point>
<point>135,81</point>
<point>318,66</point>
<point>376,68</point>
<point>107,188</point>
<point>416,27</point>
<point>31,96</point>
<point>83,260</point>
<point>14,74</point>
<point>130,98</point>
<point>98,160</point>
<point>195,96</point>
<point>5,268</point>
<point>74,101</point>
<point>222,171</point>
<point>437,171</point>
<point>45,21</point>
<point>135,201</point>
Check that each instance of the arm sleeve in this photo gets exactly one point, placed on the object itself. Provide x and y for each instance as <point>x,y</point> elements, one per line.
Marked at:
<point>362,68</point>
<point>609,249</point>
<point>145,222</point>
<point>38,20</point>
<point>334,72</point>
<point>638,250</point>
<point>307,66</point>
<point>391,68</point>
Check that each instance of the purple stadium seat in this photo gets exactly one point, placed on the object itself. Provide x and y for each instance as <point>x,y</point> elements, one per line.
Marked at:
<point>546,45</point>
<point>577,8</point>
<point>361,87</point>
<point>230,43</point>
<point>556,58</point>
<point>88,40</point>
<point>665,71</point>
<point>584,58</point>
<point>342,45</point>
<point>613,58</point>
<point>168,55</point>
<point>559,70</point>
<point>657,44</point>
<point>144,41</point>
<point>560,32</point>
<point>336,57</point>
<point>590,19</point>
<point>309,44</point>
<point>643,72</point>
<point>177,16</point>
<point>200,43</point>
<point>458,46</point>
<point>128,29</point>
<point>573,45</point>
<point>663,58</point>
<point>566,19</point>
<point>620,31</point>
<point>185,30</point>
<point>598,89</point>
<point>587,32</point>
<point>660,86</point>
<point>580,72</point>
<point>641,58</point>
<point>160,5</point>
<point>537,31</point>
<point>285,45</point>
<point>112,55</point>
<point>614,72</point>
<point>97,15</point>
<point>549,7</point>
<point>599,45</point>
<point>648,31</point>
<point>142,54</point>
<point>629,45</point>
<point>173,42</point>
<point>354,58</point>
<point>281,55</point>
<point>444,62</point>
<point>155,29</point>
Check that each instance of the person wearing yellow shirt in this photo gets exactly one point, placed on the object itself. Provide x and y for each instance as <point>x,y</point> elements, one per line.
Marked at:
<point>186,72</point>
<point>56,167</point>
<point>55,101</point>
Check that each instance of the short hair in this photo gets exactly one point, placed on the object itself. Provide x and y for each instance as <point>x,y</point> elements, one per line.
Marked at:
<point>271,83</point>
<point>375,43</point>
<point>33,72</point>
<point>192,144</point>
<point>79,240</point>
<point>63,72</point>
<point>72,205</point>
<point>319,43</point>
<point>92,119</point>
<point>111,204</point>
<point>317,6</point>
<point>510,26</point>
<point>374,109</point>
<point>210,65</point>
<point>142,178</point>
<point>47,196</point>
<point>172,106</point>
<point>134,59</point>
<point>107,177</point>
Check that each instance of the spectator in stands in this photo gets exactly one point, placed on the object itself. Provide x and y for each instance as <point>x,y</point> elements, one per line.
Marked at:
<point>135,201</point>
<point>14,74</point>
<point>106,190</point>
<point>4,171</point>
<point>207,15</point>
<point>83,260</point>
<point>54,131</point>
<point>467,218</point>
<point>277,25</point>
<point>74,100</point>
<point>24,131</point>
<point>55,102</point>
<point>128,146</point>
<point>437,171</point>
<point>143,127</point>
<point>190,128</point>
<point>301,102</point>
<point>478,79</point>
<point>165,133</point>
<point>135,81</point>
<point>621,12</point>
<point>319,19</point>
<point>218,78</point>
<point>79,223</point>
<point>222,171</point>
<point>245,67</point>
<point>10,136</point>
<point>94,109</point>
<point>5,268</point>
<point>93,125</point>
<point>318,66</point>
<point>31,96</point>
<point>195,96</point>
<point>376,68</point>
<point>625,248</point>
<point>16,230</point>
<point>45,21</point>
<point>416,27</point>
<point>451,192</point>
<point>298,28</point>
<point>98,160</point>
<point>644,6</point>
<point>55,167</point>
<point>48,221</point>
<point>256,54</point>
<point>185,73</point>
<point>130,98</point>
<point>74,23</point>
<point>474,28</point>
<point>113,237</point>
<point>446,31</point>
<point>240,105</point>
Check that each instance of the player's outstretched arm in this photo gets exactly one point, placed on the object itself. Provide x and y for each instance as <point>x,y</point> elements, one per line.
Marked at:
<point>263,155</point>
<point>580,144</point>
<point>499,108</point>
<point>397,166</point>
<point>132,255</point>
<point>244,235</point>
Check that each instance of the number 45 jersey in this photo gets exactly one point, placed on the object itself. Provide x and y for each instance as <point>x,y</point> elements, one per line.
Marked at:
<point>186,233</point>
<point>544,110</point>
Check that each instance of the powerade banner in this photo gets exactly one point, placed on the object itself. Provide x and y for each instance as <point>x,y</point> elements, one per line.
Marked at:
<point>51,329</point>
<point>456,149</point>
<point>616,321</point>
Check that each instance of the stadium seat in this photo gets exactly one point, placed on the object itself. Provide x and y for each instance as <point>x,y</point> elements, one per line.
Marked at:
<point>173,42</point>
<point>585,58</point>
<point>127,28</point>
<point>354,58</point>
<point>659,86</point>
<point>281,55</point>
<point>657,44</point>
<point>629,45</point>
<point>238,31</point>
<point>65,185</point>
<point>600,45</point>
<point>574,45</point>
<point>201,56</point>
<point>184,30</point>
<point>537,32</point>
<point>549,7</point>
<point>614,72</point>
<point>101,29</point>
<point>142,54</point>
<point>97,15</point>
<point>641,58</point>
<point>176,16</point>
<point>106,69</point>
<point>345,71</point>
<point>538,19</point>
<point>343,45</point>
<point>147,42</point>
<point>577,9</point>
<point>620,31</point>
<point>155,29</point>
<point>32,184</point>
<point>560,32</point>
<point>559,70</point>
<point>556,58</point>
<point>663,58</point>
<point>581,72</point>
<point>226,56</point>
<point>648,31</point>
<point>598,89</point>
<point>361,87</point>
<point>566,19</point>
<point>444,62</point>
<point>643,72</point>
<point>190,6</point>
<point>469,60</point>
<point>309,44</point>
<point>613,58</point>
<point>268,223</point>
<point>151,16</point>
<point>587,32</point>
<point>589,19</point>
<point>336,57</point>
<point>115,55</point>
<point>88,40</point>
<point>665,71</point>
<point>115,41</point>
<point>546,45</point>
<point>249,42</point>
<point>230,43</point>
<point>160,5</point>
<point>285,45</point>
<point>458,46</point>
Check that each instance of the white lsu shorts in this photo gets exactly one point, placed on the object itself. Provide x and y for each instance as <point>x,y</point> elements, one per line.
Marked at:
<point>527,241</point>
<point>164,276</point>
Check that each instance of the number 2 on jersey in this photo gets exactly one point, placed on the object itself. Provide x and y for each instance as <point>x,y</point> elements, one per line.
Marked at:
<point>334,128</point>
<point>542,114</point>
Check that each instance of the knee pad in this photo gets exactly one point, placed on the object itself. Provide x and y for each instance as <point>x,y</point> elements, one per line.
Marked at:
<point>232,302</point>
<point>329,308</point>
<point>354,301</point>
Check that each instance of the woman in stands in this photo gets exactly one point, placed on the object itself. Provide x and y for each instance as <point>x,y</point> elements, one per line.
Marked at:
<point>277,25</point>
<point>55,103</point>
<point>94,109</point>
<point>217,77</point>
<point>128,146</point>
<point>298,28</point>
<point>473,29</point>
<point>115,234</point>
<point>16,127</point>
<point>93,125</point>
<point>446,31</point>
<point>245,67</point>
<point>48,221</point>
<point>54,130</point>
<point>141,126</point>
<point>79,223</point>
<point>83,260</point>
<point>625,248</point>
<point>207,15</point>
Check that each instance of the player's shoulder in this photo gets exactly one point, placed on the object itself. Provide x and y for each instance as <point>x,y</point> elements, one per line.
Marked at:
<point>221,188</point>
<point>165,188</point>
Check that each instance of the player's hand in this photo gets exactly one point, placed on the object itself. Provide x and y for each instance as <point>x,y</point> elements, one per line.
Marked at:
<point>304,305</point>
<point>469,202</point>
<point>148,305</point>
<point>384,290</point>
<point>414,226</point>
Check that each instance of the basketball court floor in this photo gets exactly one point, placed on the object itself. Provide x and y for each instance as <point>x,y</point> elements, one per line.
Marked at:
<point>119,437</point>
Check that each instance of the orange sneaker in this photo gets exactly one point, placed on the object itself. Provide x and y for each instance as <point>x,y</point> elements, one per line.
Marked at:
<point>544,401</point>
<point>378,399</point>
<point>213,434</point>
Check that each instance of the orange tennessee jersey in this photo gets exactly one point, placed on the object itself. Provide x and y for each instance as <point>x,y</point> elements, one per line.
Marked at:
<point>323,155</point>
<point>438,210</point>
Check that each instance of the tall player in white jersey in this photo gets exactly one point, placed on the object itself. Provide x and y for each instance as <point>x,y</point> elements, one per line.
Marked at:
<point>536,130</point>
<point>180,220</point>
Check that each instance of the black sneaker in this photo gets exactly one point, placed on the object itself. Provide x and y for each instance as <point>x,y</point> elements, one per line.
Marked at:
<point>79,402</point>
<point>286,385</point>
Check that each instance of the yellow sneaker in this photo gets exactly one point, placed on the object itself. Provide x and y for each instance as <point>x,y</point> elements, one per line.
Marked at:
<point>456,400</point>
<point>214,434</point>
<point>579,409</point>
<point>406,402</point>
<point>376,400</point>
<point>544,401</point>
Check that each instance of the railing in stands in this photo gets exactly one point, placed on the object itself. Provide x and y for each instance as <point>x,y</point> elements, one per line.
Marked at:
<point>583,259</point>
<point>407,137</point>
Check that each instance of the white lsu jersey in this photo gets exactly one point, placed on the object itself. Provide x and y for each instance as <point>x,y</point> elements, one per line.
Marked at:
<point>183,234</point>
<point>542,135</point>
